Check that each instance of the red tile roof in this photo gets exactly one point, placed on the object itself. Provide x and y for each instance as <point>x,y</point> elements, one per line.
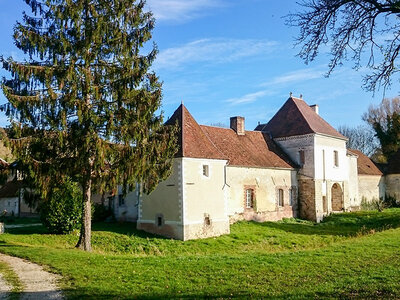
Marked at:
<point>252,149</point>
<point>296,117</point>
<point>192,140</point>
<point>365,166</point>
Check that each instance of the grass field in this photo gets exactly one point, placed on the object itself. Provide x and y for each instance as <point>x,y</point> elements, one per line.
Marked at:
<point>349,255</point>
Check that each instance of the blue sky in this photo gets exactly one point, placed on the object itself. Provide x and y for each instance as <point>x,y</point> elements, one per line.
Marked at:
<point>234,57</point>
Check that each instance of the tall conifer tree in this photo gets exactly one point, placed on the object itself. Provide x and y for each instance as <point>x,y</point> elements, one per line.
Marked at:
<point>84,105</point>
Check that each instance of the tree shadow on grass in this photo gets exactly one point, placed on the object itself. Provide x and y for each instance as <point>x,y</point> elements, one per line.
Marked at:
<point>128,228</point>
<point>341,224</point>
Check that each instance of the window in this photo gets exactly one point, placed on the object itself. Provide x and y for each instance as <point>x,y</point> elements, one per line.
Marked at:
<point>336,158</point>
<point>205,170</point>
<point>301,157</point>
<point>292,195</point>
<point>160,220</point>
<point>121,200</point>
<point>207,221</point>
<point>280,198</point>
<point>249,198</point>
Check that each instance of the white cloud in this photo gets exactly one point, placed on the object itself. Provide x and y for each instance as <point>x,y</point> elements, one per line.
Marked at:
<point>296,76</point>
<point>213,50</point>
<point>181,10</point>
<point>248,98</point>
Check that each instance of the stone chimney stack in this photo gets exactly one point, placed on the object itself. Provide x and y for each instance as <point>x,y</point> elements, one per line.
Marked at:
<point>315,108</point>
<point>237,124</point>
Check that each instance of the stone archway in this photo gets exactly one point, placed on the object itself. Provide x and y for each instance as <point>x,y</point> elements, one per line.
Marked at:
<point>337,197</point>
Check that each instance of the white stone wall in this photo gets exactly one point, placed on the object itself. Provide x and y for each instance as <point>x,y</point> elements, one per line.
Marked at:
<point>354,197</point>
<point>204,197</point>
<point>325,168</point>
<point>165,202</point>
<point>370,187</point>
<point>265,182</point>
<point>10,205</point>
<point>292,146</point>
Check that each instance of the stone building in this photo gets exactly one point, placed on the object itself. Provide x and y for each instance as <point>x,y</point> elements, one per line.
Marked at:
<point>296,165</point>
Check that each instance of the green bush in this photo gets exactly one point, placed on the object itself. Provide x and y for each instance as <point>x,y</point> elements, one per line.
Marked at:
<point>61,212</point>
<point>100,212</point>
<point>374,204</point>
<point>391,201</point>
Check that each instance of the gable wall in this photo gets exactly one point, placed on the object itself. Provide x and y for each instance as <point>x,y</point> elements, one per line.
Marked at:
<point>204,197</point>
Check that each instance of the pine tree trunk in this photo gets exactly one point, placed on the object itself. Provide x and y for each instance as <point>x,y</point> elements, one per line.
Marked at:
<point>86,229</point>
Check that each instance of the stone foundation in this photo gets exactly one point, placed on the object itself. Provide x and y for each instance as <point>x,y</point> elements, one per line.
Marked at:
<point>201,231</point>
<point>174,231</point>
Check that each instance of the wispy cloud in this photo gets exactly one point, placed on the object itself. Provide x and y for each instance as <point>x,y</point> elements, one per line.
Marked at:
<point>181,10</point>
<point>213,50</point>
<point>296,76</point>
<point>248,98</point>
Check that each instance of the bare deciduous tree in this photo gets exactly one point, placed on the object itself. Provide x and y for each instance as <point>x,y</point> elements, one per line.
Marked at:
<point>361,138</point>
<point>367,32</point>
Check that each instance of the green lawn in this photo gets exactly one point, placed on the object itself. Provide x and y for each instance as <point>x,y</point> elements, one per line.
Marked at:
<point>350,255</point>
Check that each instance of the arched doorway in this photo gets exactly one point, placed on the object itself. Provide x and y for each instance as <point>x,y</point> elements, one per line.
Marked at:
<point>337,197</point>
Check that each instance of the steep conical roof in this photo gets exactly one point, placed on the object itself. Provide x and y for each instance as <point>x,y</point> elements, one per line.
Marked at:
<point>297,118</point>
<point>193,142</point>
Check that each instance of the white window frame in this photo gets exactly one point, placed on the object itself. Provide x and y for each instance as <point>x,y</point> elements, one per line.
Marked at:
<point>249,198</point>
<point>206,170</point>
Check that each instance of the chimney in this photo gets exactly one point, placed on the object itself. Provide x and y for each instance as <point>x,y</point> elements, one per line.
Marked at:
<point>315,108</point>
<point>237,124</point>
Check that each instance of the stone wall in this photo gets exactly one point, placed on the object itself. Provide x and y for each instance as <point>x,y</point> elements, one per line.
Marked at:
<point>370,187</point>
<point>393,185</point>
<point>307,207</point>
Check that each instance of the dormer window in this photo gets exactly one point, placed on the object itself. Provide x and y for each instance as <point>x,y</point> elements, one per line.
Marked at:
<point>336,158</point>
<point>206,170</point>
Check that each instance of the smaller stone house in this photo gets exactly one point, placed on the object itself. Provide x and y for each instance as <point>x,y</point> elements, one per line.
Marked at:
<point>371,182</point>
<point>10,198</point>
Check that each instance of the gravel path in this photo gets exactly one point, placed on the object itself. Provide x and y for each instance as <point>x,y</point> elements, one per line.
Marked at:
<point>4,288</point>
<point>21,225</point>
<point>37,283</point>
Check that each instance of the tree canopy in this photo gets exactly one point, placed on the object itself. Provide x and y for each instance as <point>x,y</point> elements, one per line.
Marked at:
<point>86,104</point>
<point>385,120</point>
<point>368,32</point>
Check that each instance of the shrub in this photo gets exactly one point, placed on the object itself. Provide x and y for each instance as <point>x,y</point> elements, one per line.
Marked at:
<point>374,204</point>
<point>61,212</point>
<point>101,212</point>
<point>391,201</point>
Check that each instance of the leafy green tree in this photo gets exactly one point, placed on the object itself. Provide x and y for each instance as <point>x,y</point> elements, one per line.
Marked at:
<point>85,104</point>
<point>385,120</point>
<point>366,32</point>
<point>61,212</point>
